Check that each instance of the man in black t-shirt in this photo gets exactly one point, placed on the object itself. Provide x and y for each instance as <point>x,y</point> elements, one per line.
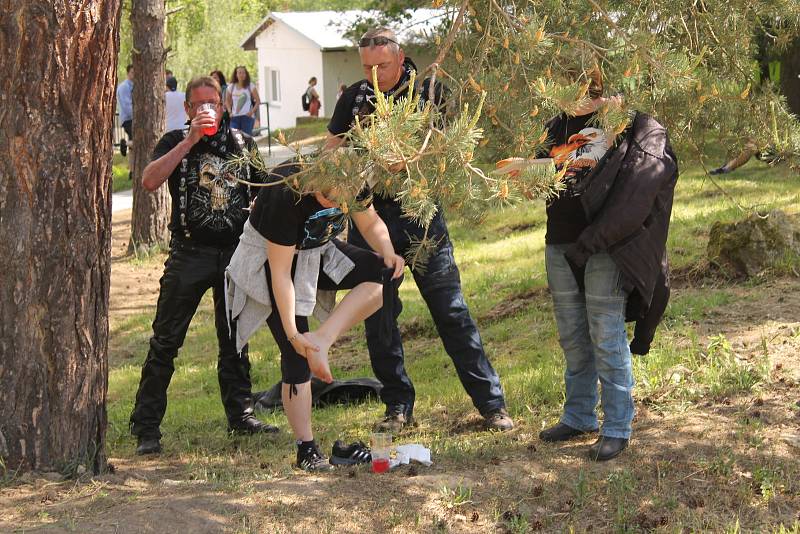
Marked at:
<point>579,144</point>
<point>209,208</point>
<point>605,256</point>
<point>439,283</point>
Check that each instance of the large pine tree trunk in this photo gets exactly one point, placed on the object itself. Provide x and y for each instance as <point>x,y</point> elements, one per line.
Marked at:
<point>790,70</point>
<point>150,210</point>
<point>58,61</point>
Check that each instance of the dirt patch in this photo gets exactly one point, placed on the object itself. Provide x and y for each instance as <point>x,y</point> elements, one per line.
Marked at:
<point>514,304</point>
<point>142,496</point>
<point>134,285</point>
<point>764,322</point>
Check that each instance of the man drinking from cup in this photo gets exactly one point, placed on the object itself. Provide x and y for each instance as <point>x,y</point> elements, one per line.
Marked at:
<point>209,208</point>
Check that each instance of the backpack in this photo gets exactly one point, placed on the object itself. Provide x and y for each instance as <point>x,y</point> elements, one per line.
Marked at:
<point>305,100</point>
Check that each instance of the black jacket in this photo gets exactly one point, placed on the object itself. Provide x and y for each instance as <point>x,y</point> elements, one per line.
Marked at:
<point>628,203</point>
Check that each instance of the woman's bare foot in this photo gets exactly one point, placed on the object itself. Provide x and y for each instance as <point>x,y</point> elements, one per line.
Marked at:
<point>318,360</point>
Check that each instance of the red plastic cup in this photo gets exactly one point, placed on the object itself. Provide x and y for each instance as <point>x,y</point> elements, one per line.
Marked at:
<point>211,130</point>
<point>381,444</point>
<point>380,465</point>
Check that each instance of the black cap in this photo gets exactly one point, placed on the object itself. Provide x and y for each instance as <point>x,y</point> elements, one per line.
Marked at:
<point>172,83</point>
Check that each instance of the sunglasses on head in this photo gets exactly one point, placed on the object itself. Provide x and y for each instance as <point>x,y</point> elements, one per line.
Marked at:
<point>375,41</point>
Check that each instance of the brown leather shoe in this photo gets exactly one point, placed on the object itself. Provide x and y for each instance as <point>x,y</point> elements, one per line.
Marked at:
<point>498,420</point>
<point>394,421</point>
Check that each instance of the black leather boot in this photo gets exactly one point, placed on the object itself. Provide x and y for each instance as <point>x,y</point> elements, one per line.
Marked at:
<point>561,432</point>
<point>606,448</point>
<point>237,398</point>
<point>146,445</point>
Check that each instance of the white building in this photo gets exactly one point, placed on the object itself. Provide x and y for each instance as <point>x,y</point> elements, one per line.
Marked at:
<point>294,46</point>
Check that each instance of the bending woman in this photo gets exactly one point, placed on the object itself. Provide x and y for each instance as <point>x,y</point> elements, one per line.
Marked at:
<point>288,256</point>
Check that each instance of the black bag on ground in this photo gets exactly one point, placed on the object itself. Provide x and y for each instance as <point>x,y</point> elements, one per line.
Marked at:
<point>337,392</point>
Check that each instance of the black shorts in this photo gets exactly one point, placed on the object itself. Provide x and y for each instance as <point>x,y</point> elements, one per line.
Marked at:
<point>368,268</point>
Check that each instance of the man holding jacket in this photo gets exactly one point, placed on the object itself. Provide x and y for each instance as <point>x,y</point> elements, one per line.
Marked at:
<point>605,255</point>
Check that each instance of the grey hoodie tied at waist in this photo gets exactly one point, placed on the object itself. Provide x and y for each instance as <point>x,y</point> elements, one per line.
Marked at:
<point>247,298</point>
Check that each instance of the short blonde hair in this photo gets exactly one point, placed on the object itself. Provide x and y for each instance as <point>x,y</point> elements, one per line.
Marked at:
<point>383,31</point>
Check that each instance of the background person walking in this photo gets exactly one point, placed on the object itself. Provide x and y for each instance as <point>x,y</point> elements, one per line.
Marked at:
<point>313,98</point>
<point>242,100</point>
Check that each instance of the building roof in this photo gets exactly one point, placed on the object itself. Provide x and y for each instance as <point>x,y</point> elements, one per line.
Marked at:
<point>327,28</point>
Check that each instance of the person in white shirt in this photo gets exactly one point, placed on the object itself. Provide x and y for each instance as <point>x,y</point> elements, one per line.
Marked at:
<point>173,108</point>
<point>242,100</point>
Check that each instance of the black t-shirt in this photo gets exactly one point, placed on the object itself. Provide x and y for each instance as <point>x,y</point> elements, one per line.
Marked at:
<point>343,117</point>
<point>583,147</point>
<point>286,218</point>
<point>355,103</point>
<point>216,204</point>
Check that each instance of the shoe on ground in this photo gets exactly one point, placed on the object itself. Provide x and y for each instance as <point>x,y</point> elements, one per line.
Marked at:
<point>355,453</point>
<point>394,421</point>
<point>606,448</point>
<point>251,425</point>
<point>147,446</point>
<point>498,420</point>
<point>561,432</point>
<point>719,170</point>
<point>313,461</point>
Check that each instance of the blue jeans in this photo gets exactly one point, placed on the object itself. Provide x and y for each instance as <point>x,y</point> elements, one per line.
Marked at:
<point>243,123</point>
<point>591,330</point>
<point>440,286</point>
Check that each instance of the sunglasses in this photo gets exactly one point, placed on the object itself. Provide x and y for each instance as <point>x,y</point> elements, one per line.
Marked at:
<point>375,41</point>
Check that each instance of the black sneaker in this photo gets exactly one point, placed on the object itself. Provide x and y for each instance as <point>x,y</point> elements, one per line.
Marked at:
<point>394,421</point>
<point>147,446</point>
<point>312,460</point>
<point>356,453</point>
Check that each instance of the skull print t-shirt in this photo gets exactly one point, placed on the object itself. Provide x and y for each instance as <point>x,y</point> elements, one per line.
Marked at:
<point>209,205</point>
<point>581,147</point>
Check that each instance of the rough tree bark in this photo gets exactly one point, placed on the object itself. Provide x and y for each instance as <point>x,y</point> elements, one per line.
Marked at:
<point>150,210</point>
<point>58,61</point>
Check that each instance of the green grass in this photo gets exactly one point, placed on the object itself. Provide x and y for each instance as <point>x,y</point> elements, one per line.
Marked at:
<point>119,173</point>
<point>305,130</point>
<point>502,268</point>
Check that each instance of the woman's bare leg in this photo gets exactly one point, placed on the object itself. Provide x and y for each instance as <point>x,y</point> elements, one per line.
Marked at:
<point>361,302</point>
<point>298,410</point>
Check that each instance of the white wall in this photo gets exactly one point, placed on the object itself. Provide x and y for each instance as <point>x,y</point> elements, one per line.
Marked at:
<point>297,59</point>
<point>340,67</point>
<point>344,67</point>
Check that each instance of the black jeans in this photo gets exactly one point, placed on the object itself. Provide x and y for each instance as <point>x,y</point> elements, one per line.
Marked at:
<point>190,270</point>
<point>368,268</point>
<point>128,127</point>
<point>439,283</point>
